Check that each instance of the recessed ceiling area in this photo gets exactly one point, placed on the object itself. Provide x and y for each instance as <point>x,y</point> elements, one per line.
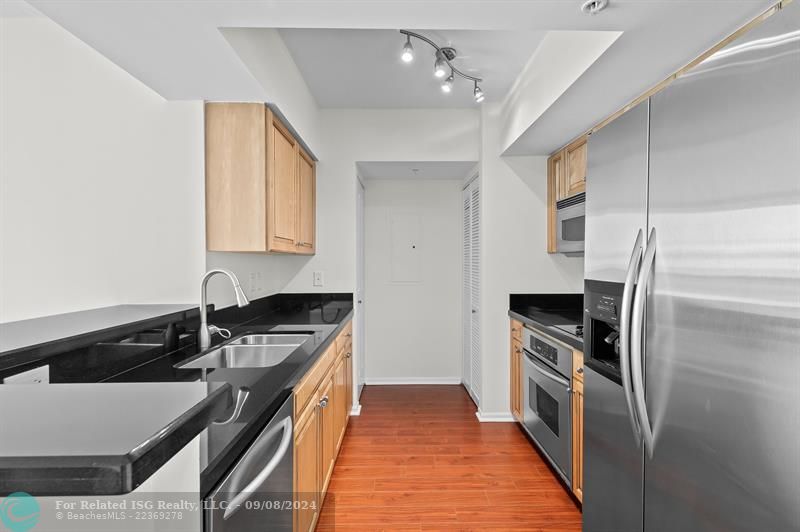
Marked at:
<point>415,169</point>
<point>361,68</point>
<point>179,49</point>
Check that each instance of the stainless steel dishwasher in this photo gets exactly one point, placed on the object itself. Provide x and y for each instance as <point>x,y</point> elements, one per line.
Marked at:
<point>256,495</point>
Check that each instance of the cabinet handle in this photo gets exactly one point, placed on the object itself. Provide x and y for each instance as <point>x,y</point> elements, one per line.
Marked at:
<point>323,402</point>
<point>579,371</point>
<point>348,355</point>
<point>514,329</point>
<point>518,350</point>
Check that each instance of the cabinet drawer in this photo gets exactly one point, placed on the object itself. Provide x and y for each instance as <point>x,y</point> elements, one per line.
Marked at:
<point>577,365</point>
<point>516,330</point>
<point>307,387</point>
<point>345,336</point>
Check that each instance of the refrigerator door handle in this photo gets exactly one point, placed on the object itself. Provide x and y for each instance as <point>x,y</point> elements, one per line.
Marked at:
<point>625,336</point>
<point>637,333</point>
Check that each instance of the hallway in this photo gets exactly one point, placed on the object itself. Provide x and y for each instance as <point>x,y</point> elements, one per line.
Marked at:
<point>418,459</point>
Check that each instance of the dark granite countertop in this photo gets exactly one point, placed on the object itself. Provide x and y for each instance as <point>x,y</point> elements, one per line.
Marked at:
<point>545,312</point>
<point>26,341</point>
<point>65,466</point>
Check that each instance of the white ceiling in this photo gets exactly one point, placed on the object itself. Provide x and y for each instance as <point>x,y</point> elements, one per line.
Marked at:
<point>415,169</point>
<point>362,68</point>
<point>176,47</point>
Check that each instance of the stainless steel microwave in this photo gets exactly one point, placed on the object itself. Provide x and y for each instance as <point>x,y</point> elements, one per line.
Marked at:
<point>571,224</point>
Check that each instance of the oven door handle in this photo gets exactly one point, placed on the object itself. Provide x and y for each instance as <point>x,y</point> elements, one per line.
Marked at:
<point>241,497</point>
<point>552,376</point>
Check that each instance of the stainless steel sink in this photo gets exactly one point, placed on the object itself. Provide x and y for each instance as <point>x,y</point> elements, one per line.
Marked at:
<point>271,339</point>
<point>250,351</point>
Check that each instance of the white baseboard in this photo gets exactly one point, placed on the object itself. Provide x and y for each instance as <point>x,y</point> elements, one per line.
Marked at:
<point>494,417</point>
<point>413,380</point>
<point>356,410</point>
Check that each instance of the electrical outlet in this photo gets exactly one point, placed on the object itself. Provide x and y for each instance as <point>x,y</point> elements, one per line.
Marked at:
<point>253,283</point>
<point>318,279</point>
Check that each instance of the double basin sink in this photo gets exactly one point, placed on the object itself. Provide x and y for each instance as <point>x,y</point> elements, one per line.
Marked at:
<point>250,351</point>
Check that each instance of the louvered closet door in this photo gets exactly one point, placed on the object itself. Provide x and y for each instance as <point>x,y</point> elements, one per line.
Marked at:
<point>466,301</point>
<point>475,290</point>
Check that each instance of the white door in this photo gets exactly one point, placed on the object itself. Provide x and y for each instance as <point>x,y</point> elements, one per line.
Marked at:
<point>359,349</point>
<point>471,278</point>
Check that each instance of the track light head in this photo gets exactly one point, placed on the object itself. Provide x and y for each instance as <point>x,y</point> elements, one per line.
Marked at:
<point>478,92</point>
<point>440,66</point>
<point>447,85</point>
<point>408,51</point>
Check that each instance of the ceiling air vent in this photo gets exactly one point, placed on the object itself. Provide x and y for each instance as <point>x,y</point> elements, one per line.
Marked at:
<point>593,7</point>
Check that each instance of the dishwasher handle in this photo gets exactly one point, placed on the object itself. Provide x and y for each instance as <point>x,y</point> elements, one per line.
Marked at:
<point>242,497</point>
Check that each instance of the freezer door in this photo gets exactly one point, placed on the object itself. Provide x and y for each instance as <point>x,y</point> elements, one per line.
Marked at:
<point>612,483</point>
<point>723,311</point>
<point>616,194</point>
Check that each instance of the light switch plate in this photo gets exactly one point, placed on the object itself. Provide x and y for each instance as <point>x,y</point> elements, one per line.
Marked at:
<point>40,375</point>
<point>318,279</point>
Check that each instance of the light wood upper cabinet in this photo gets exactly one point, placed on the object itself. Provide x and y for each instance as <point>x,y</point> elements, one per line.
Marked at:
<point>282,187</point>
<point>566,177</point>
<point>260,183</point>
<point>575,156</point>
<point>307,223</point>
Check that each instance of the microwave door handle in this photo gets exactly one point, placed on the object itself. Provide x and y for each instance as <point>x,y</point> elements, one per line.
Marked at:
<point>560,380</point>
<point>636,349</point>
<point>624,336</point>
<point>242,497</point>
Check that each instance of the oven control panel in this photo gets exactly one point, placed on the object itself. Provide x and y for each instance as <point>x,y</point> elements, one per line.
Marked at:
<point>544,350</point>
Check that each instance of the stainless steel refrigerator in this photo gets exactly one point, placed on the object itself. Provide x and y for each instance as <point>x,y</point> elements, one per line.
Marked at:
<point>692,331</point>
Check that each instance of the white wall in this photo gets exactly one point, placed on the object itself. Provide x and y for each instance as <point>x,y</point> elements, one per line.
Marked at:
<point>101,198</point>
<point>413,327</point>
<point>514,257</point>
<point>561,58</point>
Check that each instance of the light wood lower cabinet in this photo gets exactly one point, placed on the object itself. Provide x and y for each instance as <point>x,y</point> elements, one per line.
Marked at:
<point>323,400</point>
<point>307,470</point>
<point>328,422</point>
<point>515,384</point>
<point>577,424</point>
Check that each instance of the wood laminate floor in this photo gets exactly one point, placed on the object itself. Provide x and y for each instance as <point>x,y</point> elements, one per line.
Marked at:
<point>418,459</point>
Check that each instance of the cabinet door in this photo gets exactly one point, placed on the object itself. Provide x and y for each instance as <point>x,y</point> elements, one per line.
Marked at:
<point>306,468</point>
<point>328,424</point>
<point>575,174</point>
<point>555,172</point>
<point>282,208</point>
<point>348,372</point>
<point>577,439</point>
<point>558,170</point>
<point>516,380</point>
<point>306,201</point>
<point>340,395</point>
<point>235,177</point>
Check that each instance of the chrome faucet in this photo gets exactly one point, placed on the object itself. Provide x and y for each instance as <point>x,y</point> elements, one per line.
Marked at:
<point>207,330</point>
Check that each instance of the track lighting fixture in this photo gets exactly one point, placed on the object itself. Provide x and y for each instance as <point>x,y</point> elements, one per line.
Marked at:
<point>408,51</point>
<point>444,57</point>
<point>447,85</point>
<point>440,66</point>
<point>478,92</point>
